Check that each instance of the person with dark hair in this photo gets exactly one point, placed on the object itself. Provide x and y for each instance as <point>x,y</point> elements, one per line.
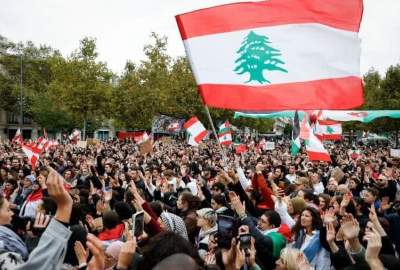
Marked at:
<point>177,261</point>
<point>268,240</point>
<point>164,245</point>
<point>218,188</point>
<point>113,228</point>
<point>309,236</point>
<point>323,202</point>
<point>220,205</point>
<point>187,205</point>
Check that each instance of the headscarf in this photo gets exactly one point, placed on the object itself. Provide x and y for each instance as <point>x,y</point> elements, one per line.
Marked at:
<point>174,223</point>
<point>10,241</point>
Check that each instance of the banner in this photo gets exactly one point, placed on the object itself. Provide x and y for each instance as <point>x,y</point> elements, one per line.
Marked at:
<point>81,144</point>
<point>395,153</point>
<point>146,147</point>
<point>163,124</point>
<point>269,146</point>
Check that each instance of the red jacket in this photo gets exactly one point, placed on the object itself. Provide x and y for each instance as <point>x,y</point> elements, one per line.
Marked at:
<point>260,184</point>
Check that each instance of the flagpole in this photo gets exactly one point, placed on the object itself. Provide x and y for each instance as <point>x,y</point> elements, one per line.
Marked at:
<point>224,157</point>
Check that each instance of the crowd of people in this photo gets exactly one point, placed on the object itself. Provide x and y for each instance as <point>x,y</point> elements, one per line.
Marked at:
<point>202,208</point>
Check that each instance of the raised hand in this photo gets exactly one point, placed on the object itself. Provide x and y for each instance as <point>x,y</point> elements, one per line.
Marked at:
<point>55,187</point>
<point>41,221</point>
<point>96,248</point>
<point>80,253</point>
<point>330,233</point>
<point>329,216</point>
<point>126,254</point>
<point>350,227</point>
<point>374,244</point>
<point>236,204</point>
<point>209,258</point>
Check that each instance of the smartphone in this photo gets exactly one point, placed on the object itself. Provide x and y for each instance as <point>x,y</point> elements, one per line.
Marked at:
<point>245,241</point>
<point>138,223</point>
<point>226,230</point>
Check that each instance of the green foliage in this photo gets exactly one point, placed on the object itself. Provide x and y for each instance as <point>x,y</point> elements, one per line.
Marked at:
<point>80,84</point>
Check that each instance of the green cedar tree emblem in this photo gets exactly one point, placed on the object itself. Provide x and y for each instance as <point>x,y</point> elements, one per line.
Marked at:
<point>256,56</point>
<point>329,130</point>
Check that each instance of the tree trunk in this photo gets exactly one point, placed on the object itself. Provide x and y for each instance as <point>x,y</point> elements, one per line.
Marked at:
<point>84,129</point>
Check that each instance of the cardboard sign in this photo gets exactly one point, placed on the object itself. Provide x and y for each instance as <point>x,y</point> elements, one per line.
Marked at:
<point>395,153</point>
<point>146,147</point>
<point>269,146</point>
<point>92,141</point>
<point>166,140</point>
<point>81,144</point>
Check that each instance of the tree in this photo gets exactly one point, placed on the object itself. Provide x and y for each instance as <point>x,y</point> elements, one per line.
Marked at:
<point>36,75</point>
<point>256,56</point>
<point>81,85</point>
<point>388,97</point>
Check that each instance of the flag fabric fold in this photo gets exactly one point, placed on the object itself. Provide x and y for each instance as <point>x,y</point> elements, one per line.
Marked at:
<point>18,139</point>
<point>316,150</point>
<point>195,129</point>
<point>32,153</point>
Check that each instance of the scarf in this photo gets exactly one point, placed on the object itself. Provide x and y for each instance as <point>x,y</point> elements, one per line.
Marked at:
<point>112,234</point>
<point>10,241</point>
<point>174,223</point>
<point>35,196</point>
<point>313,247</point>
<point>203,234</point>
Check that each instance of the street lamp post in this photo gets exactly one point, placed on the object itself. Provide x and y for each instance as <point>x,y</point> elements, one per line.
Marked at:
<point>21,97</point>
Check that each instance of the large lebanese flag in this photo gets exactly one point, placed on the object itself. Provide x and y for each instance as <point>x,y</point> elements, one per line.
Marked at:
<point>276,54</point>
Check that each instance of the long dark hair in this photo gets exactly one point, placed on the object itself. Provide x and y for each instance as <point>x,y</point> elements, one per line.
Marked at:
<point>316,221</point>
<point>192,201</point>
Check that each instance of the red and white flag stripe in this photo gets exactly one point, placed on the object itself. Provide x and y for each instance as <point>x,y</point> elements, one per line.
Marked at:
<point>196,129</point>
<point>32,153</point>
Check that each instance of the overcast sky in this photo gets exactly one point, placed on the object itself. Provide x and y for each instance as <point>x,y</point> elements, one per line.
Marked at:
<point>122,27</point>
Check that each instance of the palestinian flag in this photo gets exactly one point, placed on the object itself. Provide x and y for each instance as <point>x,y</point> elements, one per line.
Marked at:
<point>316,150</point>
<point>276,54</point>
<point>328,130</point>
<point>225,134</point>
<point>360,116</point>
<point>295,143</point>
<point>195,129</point>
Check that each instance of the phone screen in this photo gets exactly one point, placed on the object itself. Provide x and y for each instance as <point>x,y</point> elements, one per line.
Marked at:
<point>245,240</point>
<point>226,231</point>
<point>138,223</point>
